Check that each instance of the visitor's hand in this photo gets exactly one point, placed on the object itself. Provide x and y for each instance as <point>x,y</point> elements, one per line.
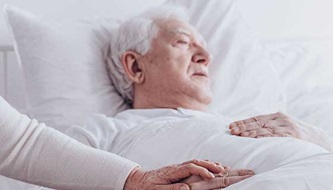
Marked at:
<point>221,180</point>
<point>272,125</point>
<point>169,178</point>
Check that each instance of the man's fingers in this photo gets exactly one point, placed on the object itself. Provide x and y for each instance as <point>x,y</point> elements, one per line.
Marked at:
<point>211,166</point>
<point>251,120</point>
<point>236,130</point>
<point>251,134</point>
<point>175,186</point>
<point>279,131</point>
<point>273,116</point>
<point>203,168</point>
<point>256,125</point>
<point>257,132</point>
<point>241,172</point>
<point>280,127</point>
<point>234,179</point>
<point>186,170</point>
<point>218,182</point>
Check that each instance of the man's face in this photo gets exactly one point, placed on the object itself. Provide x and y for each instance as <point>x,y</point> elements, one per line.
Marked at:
<point>176,66</point>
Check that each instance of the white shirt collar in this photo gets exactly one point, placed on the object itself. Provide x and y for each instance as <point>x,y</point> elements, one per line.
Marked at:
<point>137,115</point>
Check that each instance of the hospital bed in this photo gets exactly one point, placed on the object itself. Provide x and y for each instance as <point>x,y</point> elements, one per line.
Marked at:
<point>290,75</point>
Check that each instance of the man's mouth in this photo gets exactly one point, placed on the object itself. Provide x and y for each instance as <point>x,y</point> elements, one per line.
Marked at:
<point>202,74</point>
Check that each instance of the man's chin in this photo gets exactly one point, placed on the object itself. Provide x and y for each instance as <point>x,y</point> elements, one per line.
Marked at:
<point>208,100</point>
<point>201,80</point>
<point>206,97</point>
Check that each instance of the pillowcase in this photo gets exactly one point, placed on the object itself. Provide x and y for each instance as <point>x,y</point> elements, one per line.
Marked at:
<point>64,68</point>
<point>243,81</point>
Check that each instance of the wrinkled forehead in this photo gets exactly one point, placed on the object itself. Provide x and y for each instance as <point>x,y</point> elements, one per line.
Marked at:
<point>174,27</point>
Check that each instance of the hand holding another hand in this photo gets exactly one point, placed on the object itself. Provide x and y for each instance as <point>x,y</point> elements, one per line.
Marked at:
<point>222,180</point>
<point>192,175</point>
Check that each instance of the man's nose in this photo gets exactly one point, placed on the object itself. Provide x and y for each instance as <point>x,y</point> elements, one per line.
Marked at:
<point>201,56</point>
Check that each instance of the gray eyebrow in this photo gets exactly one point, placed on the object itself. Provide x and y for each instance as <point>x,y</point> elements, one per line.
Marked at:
<point>183,31</point>
<point>188,33</point>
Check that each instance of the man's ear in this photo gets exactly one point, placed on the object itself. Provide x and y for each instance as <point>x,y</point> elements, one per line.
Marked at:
<point>132,66</point>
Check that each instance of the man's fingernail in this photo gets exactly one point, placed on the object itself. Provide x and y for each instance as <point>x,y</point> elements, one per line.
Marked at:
<point>183,187</point>
<point>233,125</point>
<point>236,129</point>
<point>250,173</point>
<point>211,175</point>
<point>218,163</point>
<point>219,175</point>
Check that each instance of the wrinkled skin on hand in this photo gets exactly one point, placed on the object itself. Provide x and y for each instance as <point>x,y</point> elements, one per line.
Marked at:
<point>272,125</point>
<point>280,125</point>
<point>224,179</point>
<point>169,177</point>
<point>191,175</point>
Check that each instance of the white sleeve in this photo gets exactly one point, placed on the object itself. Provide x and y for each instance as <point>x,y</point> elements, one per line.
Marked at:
<point>318,136</point>
<point>37,154</point>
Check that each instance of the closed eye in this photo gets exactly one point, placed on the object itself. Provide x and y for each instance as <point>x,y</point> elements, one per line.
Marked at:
<point>183,42</point>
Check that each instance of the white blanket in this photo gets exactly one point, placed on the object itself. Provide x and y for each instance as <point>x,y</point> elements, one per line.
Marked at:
<point>156,141</point>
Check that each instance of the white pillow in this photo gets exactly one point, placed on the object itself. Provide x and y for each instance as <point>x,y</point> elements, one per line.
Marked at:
<point>244,82</point>
<point>64,68</point>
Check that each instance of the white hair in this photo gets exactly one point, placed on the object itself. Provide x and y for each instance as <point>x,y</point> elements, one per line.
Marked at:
<point>136,34</point>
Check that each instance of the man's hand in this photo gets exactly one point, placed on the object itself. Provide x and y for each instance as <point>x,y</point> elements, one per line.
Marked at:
<point>272,125</point>
<point>280,125</point>
<point>169,178</point>
<point>221,180</point>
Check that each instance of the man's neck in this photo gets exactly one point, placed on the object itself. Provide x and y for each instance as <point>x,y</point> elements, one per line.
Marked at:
<point>144,101</point>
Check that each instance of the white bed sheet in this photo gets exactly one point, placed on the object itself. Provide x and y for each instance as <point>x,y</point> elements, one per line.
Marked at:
<point>162,137</point>
<point>305,70</point>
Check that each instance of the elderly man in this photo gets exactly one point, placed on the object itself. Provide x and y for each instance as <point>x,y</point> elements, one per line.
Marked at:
<point>160,61</point>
